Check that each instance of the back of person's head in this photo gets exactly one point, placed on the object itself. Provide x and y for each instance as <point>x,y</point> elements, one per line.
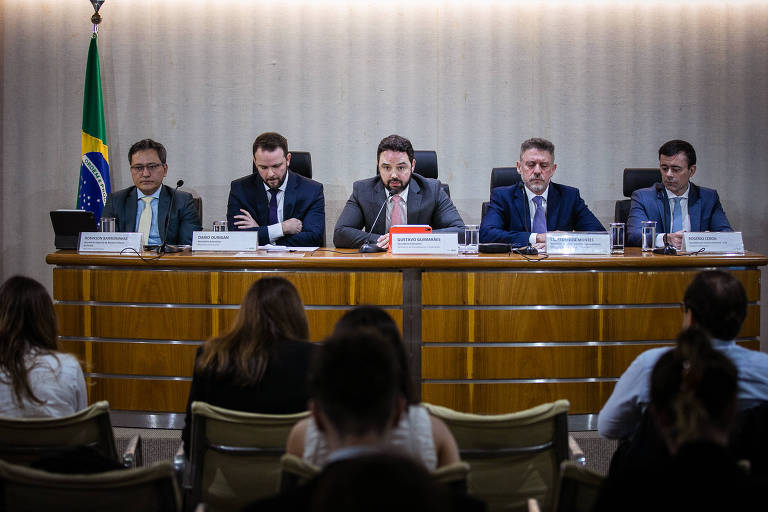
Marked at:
<point>271,312</point>
<point>380,321</point>
<point>354,383</point>
<point>380,482</point>
<point>27,323</point>
<point>717,302</point>
<point>693,389</point>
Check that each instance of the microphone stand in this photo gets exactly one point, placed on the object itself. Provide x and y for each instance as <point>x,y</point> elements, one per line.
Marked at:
<point>369,247</point>
<point>166,248</point>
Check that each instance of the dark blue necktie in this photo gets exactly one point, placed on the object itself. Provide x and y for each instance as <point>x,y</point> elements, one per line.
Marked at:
<point>273,207</point>
<point>677,216</point>
<point>539,218</point>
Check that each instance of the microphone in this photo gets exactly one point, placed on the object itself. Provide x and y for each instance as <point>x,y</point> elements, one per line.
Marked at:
<point>368,247</point>
<point>165,247</point>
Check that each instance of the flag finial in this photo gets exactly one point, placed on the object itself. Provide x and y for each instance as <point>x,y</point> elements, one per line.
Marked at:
<point>96,18</point>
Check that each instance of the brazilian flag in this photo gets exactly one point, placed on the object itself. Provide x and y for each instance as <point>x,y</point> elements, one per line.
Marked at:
<point>94,167</point>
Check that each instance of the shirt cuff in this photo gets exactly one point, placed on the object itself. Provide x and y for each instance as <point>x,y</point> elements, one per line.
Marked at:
<point>275,231</point>
<point>660,240</point>
<point>532,239</point>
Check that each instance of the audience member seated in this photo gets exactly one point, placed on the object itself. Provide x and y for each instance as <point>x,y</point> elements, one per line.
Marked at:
<point>424,437</point>
<point>356,401</point>
<point>35,379</point>
<point>693,404</point>
<point>261,364</point>
<point>716,302</point>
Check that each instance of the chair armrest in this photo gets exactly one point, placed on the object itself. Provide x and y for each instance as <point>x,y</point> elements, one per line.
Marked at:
<point>201,507</point>
<point>180,467</point>
<point>576,453</point>
<point>132,457</point>
<point>533,505</point>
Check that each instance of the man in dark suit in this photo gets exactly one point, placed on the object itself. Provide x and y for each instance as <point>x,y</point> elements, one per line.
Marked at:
<point>409,198</point>
<point>284,207</point>
<point>676,204</point>
<point>523,214</point>
<point>144,206</point>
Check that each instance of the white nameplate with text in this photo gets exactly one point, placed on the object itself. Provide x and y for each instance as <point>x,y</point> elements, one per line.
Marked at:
<point>225,241</point>
<point>717,242</point>
<point>583,242</point>
<point>425,243</point>
<point>95,241</point>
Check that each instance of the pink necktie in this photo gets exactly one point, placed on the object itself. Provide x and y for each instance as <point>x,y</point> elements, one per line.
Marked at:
<point>397,211</point>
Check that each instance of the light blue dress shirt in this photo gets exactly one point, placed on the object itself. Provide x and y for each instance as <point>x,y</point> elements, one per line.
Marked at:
<point>154,232</point>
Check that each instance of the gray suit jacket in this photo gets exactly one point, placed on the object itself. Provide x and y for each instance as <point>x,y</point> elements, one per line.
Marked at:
<point>184,218</point>
<point>427,204</point>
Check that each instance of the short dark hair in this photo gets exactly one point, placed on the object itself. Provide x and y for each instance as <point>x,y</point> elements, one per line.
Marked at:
<point>379,320</point>
<point>537,143</point>
<point>145,144</point>
<point>353,381</point>
<point>673,147</point>
<point>270,141</point>
<point>718,303</point>
<point>397,144</point>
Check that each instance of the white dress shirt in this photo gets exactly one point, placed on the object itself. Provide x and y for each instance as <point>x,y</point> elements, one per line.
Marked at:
<point>275,231</point>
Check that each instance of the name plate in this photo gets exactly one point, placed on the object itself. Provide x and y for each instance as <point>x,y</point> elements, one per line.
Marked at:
<point>225,241</point>
<point>94,241</point>
<point>584,242</point>
<point>714,242</point>
<point>425,243</point>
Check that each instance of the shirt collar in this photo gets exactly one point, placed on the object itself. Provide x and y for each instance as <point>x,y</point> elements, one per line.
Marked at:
<point>404,193</point>
<point>670,195</point>
<point>531,195</point>
<point>155,194</point>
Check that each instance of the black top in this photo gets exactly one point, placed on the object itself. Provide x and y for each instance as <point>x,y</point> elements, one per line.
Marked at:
<point>282,389</point>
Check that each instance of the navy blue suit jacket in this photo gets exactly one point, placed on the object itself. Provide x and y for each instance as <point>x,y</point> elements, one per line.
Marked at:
<point>704,209</point>
<point>122,206</point>
<point>508,218</point>
<point>303,200</point>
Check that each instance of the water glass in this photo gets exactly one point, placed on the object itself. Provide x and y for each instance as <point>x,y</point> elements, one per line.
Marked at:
<point>471,239</point>
<point>219,225</point>
<point>107,225</point>
<point>617,237</point>
<point>648,235</point>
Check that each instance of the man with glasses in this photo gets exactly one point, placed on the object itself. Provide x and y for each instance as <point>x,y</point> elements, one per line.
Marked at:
<point>145,206</point>
<point>676,204</point>
<point>409,197</point>
<point>522,214</point>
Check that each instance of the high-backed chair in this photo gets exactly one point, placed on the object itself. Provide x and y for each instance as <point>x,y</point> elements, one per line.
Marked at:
<point>501,177</point>
<point>301,163</point>
<point>634,179</point>
<point>27,440</point>
<point>234,456</point>
<point>578,488</point>
<point>426,165</point>
<point>149,489</point>
<point>513,456</point>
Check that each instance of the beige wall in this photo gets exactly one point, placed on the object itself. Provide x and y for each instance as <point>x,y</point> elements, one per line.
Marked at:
<point>608,82</point>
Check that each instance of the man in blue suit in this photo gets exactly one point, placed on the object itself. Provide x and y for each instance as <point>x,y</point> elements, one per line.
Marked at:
<point>523,214</point>
<point>284,207</point>
<point>676,204</point>
<point>144,206</point>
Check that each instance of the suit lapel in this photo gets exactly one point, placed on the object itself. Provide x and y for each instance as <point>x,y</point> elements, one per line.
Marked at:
<point>553,207</point>
<point>289,198</point>
<point>694,207</point>
<point>257,196</point>
<point>163,204</point>
<point>376,197</point>
<point>415,195</point>
<point>131,200</point>
<point>662,203</point>
<point>520,204</point>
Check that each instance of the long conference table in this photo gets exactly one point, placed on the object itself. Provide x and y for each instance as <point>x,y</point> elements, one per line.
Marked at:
<point>484,333</point>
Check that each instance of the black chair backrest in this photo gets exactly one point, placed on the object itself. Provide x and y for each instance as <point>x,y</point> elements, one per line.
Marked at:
<point>426,163</point>
<point>637,178</point>
<point>504,176</point>
<point>301,163</point>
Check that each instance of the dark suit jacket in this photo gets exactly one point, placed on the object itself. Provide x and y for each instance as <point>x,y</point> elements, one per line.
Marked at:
<point>508,218</point>
<point>704,209</point>
<point>427,204</point>
<point>303,200</point>
<point>184,218</point>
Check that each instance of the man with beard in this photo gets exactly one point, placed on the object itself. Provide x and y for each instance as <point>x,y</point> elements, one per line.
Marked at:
<point>284,207</point>
<point>522,214</point>
<point>409,197</point>
<point>676,204</point>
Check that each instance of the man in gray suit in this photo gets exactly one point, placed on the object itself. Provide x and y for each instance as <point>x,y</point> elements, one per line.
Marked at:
<point>144,207</point>
<point>409,198</point>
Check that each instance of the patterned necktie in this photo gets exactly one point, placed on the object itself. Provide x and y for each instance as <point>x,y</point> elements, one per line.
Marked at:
<point>273,207</point>
<point>145,221</point>
<point>539,218</point>
<point>397,211</point>
<point>677,215</point>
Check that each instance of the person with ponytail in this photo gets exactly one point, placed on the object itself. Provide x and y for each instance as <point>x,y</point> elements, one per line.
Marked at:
<point>35,379</point>
<point>261,363</point>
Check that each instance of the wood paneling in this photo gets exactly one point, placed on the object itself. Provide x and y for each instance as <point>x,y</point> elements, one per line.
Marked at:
<point>169,360</point>
<point>68,284</point>
<point>510,288</point>
<point>585,397</point>
<point>140,394</point>
<point>174,287</point>
<point>659,287</point>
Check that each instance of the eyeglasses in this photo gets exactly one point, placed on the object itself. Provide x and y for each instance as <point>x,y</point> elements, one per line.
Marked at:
<point>150,167</point>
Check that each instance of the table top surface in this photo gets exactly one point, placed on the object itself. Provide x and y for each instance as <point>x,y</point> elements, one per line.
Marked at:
<point>351,259</point>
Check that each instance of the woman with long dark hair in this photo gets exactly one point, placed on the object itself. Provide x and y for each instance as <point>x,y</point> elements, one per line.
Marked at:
<point>35,379</point>
<point>261,363</point>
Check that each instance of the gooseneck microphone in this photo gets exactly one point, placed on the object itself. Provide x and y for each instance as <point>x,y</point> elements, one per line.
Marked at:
<point>165,247</point>
<point>372,247</point>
